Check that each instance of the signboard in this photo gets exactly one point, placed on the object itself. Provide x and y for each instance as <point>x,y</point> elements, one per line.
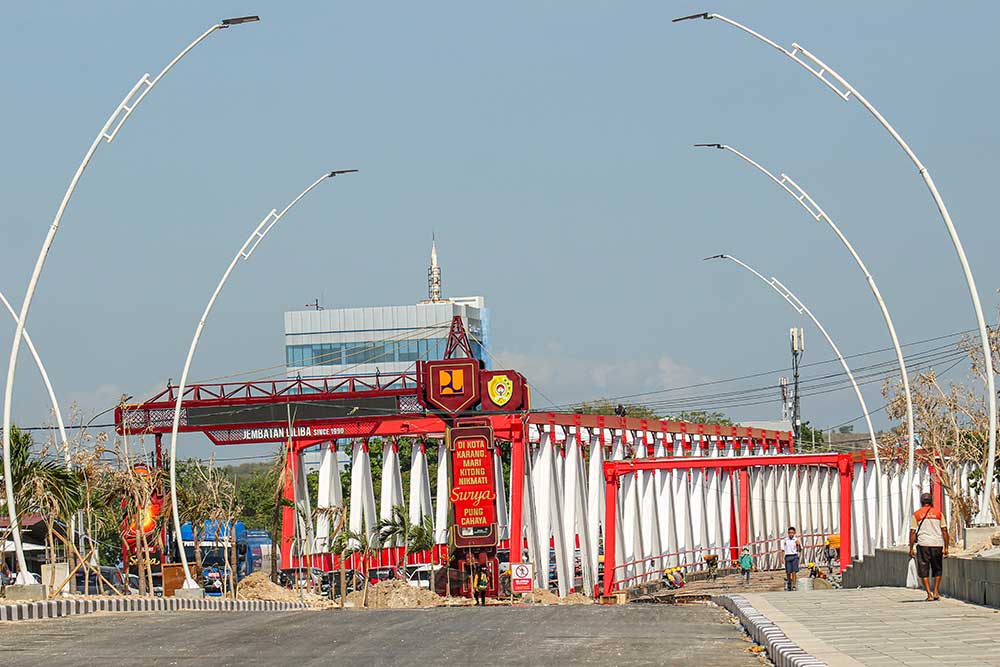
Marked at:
<point>451,385</point>
<point>473,493</point>
<point>503,390</point>
<point>522,578</point>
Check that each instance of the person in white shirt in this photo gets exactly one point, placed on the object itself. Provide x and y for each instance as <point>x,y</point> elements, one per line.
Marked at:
<point>791,546</point>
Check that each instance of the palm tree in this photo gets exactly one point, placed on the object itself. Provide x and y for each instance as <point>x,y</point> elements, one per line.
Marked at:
<point>45,487</point>
<point>396,529</point>
<point>349,542</point>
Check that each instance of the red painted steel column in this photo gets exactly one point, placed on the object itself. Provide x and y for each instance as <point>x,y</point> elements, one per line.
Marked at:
<point>744,507</point>
<point>845,466</point>
<point>288,510</point>
<point>610,529</point>
<point>517,455</point>
<point>937,491</point>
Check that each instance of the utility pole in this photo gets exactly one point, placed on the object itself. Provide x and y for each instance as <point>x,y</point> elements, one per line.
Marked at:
<point>786,404</point>
<point>797,337</point>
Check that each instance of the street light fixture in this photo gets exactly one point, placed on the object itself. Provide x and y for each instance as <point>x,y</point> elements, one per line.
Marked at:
<point>817,213</point>
<point>801,308</point>
<point>845,91</point>
<point>107,133</point>
<point>245,251</point>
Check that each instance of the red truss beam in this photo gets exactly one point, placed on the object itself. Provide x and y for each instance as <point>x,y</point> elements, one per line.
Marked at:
<point>658,426</point>
<point>300,389</point>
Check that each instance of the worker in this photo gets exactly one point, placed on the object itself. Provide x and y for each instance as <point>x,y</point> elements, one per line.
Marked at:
<point>929,534</point>
<point>791,546</point>
<point>746,564</point>
<point>480,582</point>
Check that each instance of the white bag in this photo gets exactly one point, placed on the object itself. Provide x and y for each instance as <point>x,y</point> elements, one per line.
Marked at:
<point>911,575</point>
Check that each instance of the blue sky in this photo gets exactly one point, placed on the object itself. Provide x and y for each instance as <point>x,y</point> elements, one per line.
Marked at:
<point>548,146</point>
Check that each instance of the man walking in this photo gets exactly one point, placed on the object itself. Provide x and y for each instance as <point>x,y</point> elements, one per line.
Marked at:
<point>929,534</point>
<point>791,546</point>
<point>746,564</point>
<point>480,582</point>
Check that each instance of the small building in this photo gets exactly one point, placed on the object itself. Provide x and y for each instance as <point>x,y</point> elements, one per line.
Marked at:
<point>382,340</point>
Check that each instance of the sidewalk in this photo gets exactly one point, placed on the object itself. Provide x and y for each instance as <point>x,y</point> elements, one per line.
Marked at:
<point>884,626</point>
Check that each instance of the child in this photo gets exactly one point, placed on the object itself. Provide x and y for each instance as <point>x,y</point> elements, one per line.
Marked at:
<point>746,564</point>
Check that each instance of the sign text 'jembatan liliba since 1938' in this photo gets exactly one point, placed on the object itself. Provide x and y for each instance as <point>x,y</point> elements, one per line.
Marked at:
<point>473,494</point>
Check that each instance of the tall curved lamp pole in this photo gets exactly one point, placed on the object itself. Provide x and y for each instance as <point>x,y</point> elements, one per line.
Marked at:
<point>800,307</point>
<point>845,91</point>
<point>45,379</point>
<point>817,213</point>
<point>107,133</point>
<point>258,234</point>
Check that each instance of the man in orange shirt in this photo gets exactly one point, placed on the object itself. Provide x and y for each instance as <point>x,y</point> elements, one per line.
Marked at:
<point>930,536</point>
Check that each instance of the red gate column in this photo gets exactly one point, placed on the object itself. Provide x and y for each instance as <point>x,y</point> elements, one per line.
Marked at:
<point>937,491</point>
<point>845,465</point>
<point>517,454</point>
<point>288,509</point>
<point>610,528</point>
<point>744,507</point>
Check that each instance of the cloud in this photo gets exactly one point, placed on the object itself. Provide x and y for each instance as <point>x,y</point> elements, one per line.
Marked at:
<point>563,379</point>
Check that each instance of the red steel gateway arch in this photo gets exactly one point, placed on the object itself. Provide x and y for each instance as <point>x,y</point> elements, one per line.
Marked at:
<point>592,500</point>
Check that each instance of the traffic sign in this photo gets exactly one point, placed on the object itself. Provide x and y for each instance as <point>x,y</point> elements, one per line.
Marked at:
<point>522,578</point>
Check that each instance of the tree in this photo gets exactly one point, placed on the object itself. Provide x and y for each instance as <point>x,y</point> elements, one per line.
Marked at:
<point>361,542</point>
<point>810,438</point>
<point>43,486</point>
<point>701,417</point>
<point>607,408</point>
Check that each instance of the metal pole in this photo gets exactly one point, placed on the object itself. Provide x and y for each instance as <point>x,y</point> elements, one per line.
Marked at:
<point>800,307</point>
<point>107,133</point>
<point>817,213</point>
<point>845,90</point>
<point>245,251</point>
<point>45,379</point>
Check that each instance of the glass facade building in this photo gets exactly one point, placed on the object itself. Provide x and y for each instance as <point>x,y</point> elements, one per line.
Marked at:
<point>362,341</point>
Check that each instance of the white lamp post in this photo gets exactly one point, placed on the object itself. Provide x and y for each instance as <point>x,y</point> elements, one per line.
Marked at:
<point>107,133</point>
<point>813,209</point>
<point>845,91</point>
<point>45,379</point>
<point>800,307</point>
<point>258,234</point>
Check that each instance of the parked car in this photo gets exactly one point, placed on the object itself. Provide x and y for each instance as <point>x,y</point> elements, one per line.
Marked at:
<point>353,581</point>
<point>88,582</point>
<point>420,575</point>
<point>311,578</point>
<point>377,574</point>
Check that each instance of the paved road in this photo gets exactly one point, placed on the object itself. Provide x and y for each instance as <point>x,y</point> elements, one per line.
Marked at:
<point>884,626</point>
<point>550,636</point>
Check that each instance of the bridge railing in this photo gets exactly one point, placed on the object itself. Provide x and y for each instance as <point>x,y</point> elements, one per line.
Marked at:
<point>652,567</point>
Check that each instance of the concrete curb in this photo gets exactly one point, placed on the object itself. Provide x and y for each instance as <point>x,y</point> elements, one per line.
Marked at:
<point>782,651</point>
<point>29,611</point>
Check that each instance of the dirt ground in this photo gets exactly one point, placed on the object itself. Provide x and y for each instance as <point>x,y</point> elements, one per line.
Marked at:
<point>258,586</point>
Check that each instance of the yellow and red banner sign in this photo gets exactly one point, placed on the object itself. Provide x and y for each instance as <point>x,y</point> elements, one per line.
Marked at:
<point>473,491</point>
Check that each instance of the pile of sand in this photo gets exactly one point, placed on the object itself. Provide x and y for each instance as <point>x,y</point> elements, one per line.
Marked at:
<point>395,594</point>
<point>548,597</point>
<point>258,586</point>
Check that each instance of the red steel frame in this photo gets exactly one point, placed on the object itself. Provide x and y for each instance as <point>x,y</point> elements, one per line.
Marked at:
<point>614,470</point>
<point>154,417</point>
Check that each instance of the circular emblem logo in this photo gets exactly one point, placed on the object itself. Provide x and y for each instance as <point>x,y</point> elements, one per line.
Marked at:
<point>500,389</point>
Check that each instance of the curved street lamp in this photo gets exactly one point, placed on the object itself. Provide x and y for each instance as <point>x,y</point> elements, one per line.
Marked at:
<point>258,234</point>
<point>813,209</point>
<point>45,379</point>
<point>801,308</point>
<point>845,91</point>
<point>107,133</point>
